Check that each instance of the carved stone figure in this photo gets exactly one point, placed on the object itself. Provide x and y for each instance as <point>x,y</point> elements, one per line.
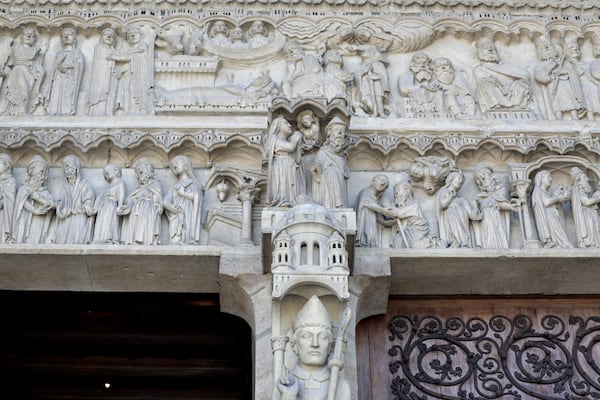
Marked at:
<point>135,82</point>
<point>25,73</point>
<point>74,206</point>
<point>299,64</point>
<point>547,209</point>
<point>456,95</point>
<point>561,87</point>
<point>500,85</point>
<point>423,92</point>
<point>143,208</point>
<point>109,207</point>
<point>454,213</point>
<point>308,125</point>
<point>330,170</point>
<point>312,340</point>
<point>104,75</point>
<point>237,39</point>
<point>219,33</point>
<point>493,231</point>
<point>8,189</point>
<point>285,175</point>
<point>589,84</point>
<point>594,69</point>
<point>169,42</point>
<point>585,210</point>
<point>410,228</point>
<point>369,212</point>
<point>432,171</point>
<point>258,35</point>
<point>33,205</point>
<point>334,66</point>
<point>373,80</point>
<point>183,204</point>
<point>66,78</point>
<point>263,86</point>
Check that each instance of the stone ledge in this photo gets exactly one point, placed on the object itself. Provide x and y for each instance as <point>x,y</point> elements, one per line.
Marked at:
<point>492,272</point>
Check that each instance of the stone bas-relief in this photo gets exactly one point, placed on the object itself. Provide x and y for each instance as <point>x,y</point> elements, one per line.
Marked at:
<point>316,374</point>
<point>8,189</point>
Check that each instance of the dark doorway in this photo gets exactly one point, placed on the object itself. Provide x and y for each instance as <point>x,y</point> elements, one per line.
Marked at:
<point>57,345</point>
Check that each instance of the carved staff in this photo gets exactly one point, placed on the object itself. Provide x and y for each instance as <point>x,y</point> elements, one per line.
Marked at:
<point>337,352</point>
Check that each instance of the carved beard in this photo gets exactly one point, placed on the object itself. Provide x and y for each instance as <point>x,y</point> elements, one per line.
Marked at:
<point>145,177</point>
<point>36,182</point>
<point>488,188</point>
<point>489,57</point>
<point>71,177</point>
<point>422,75</point>
<point>338,145</point>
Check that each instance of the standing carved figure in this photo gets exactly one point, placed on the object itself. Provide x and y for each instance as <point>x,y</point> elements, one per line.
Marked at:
<point>74,206</point>
<point>286,177</point>
<point>547,209</point>
<point>25,74</point>
<point>589,84</point>
<point>66,78</point>
<point>493,231</point>
<point>103,88</point>
<point>373,80</point>
<point>183,204</point>
<point>410,228</point>
<point>109,206</point>
<point>143,208</point>
<point>561,86</point>
<point>330,170</point>
<point>8,189</point>
<point>312,341</point>
<point>500,85</point>
<point>369,212</point>
<point>33,205</point>
<point>585,210</point>
<point>454,213</point>
<point>133,94</point>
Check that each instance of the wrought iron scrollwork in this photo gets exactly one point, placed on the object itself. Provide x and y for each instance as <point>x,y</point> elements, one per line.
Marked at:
<point>498,358</point>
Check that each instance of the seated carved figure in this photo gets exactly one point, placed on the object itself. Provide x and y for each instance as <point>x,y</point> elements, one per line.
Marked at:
<point>589,83</point>
<point>312,341</point>
<point>500,85</point>
<point>419,86</point>
<point>456,98</point>
<point>299,65</point>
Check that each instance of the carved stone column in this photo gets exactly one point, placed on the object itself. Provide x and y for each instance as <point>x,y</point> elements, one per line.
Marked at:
<point>519,189</point>
<point>247,194</point>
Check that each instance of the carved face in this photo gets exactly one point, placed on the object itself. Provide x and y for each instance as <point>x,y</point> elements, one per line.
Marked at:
<point>220,29</point>
<point>363,36</point>
<point>457,181</point>
<point>312,345</point>
<point>307,120</point>
<point>38,172</point>
<point>144,173</point>
<point>420,66</point>
<point>337,137</point>
<point>29,36</point>
<point>237,34</point>
<point>108,37</point>
<point>258,29</point>
<point>110,172</point>
<point>134,36</point>
<point>4,166</point>
<point>572,50</point>
<point>546,50</point>
<point>381,183</point>
<point>285,129</point>
<point>487,51</point>
<point>402,192</point>
<point>293,52</point>
<point>484,178</point>
<point>70,168</point>
<point>177,166</point>
<point>444,71</point>
<point>67,37</point>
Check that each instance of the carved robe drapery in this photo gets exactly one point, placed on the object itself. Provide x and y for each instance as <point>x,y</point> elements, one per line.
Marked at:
<point>548,219</point>
<point>30,225</point>
<point>102,93</point>
<point>24,80</point>
<point>8,188</point>
<point>65,82</point>
<point>453,219</point>
<point>585,214</point>
<point>107,225</point>
<point>368,233</point>
<point>286,176</point>
<point>74,224</point>
<point>142,225</point>
<point>331,190</point>
<point>492,232</point>
<point>185,223</point>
